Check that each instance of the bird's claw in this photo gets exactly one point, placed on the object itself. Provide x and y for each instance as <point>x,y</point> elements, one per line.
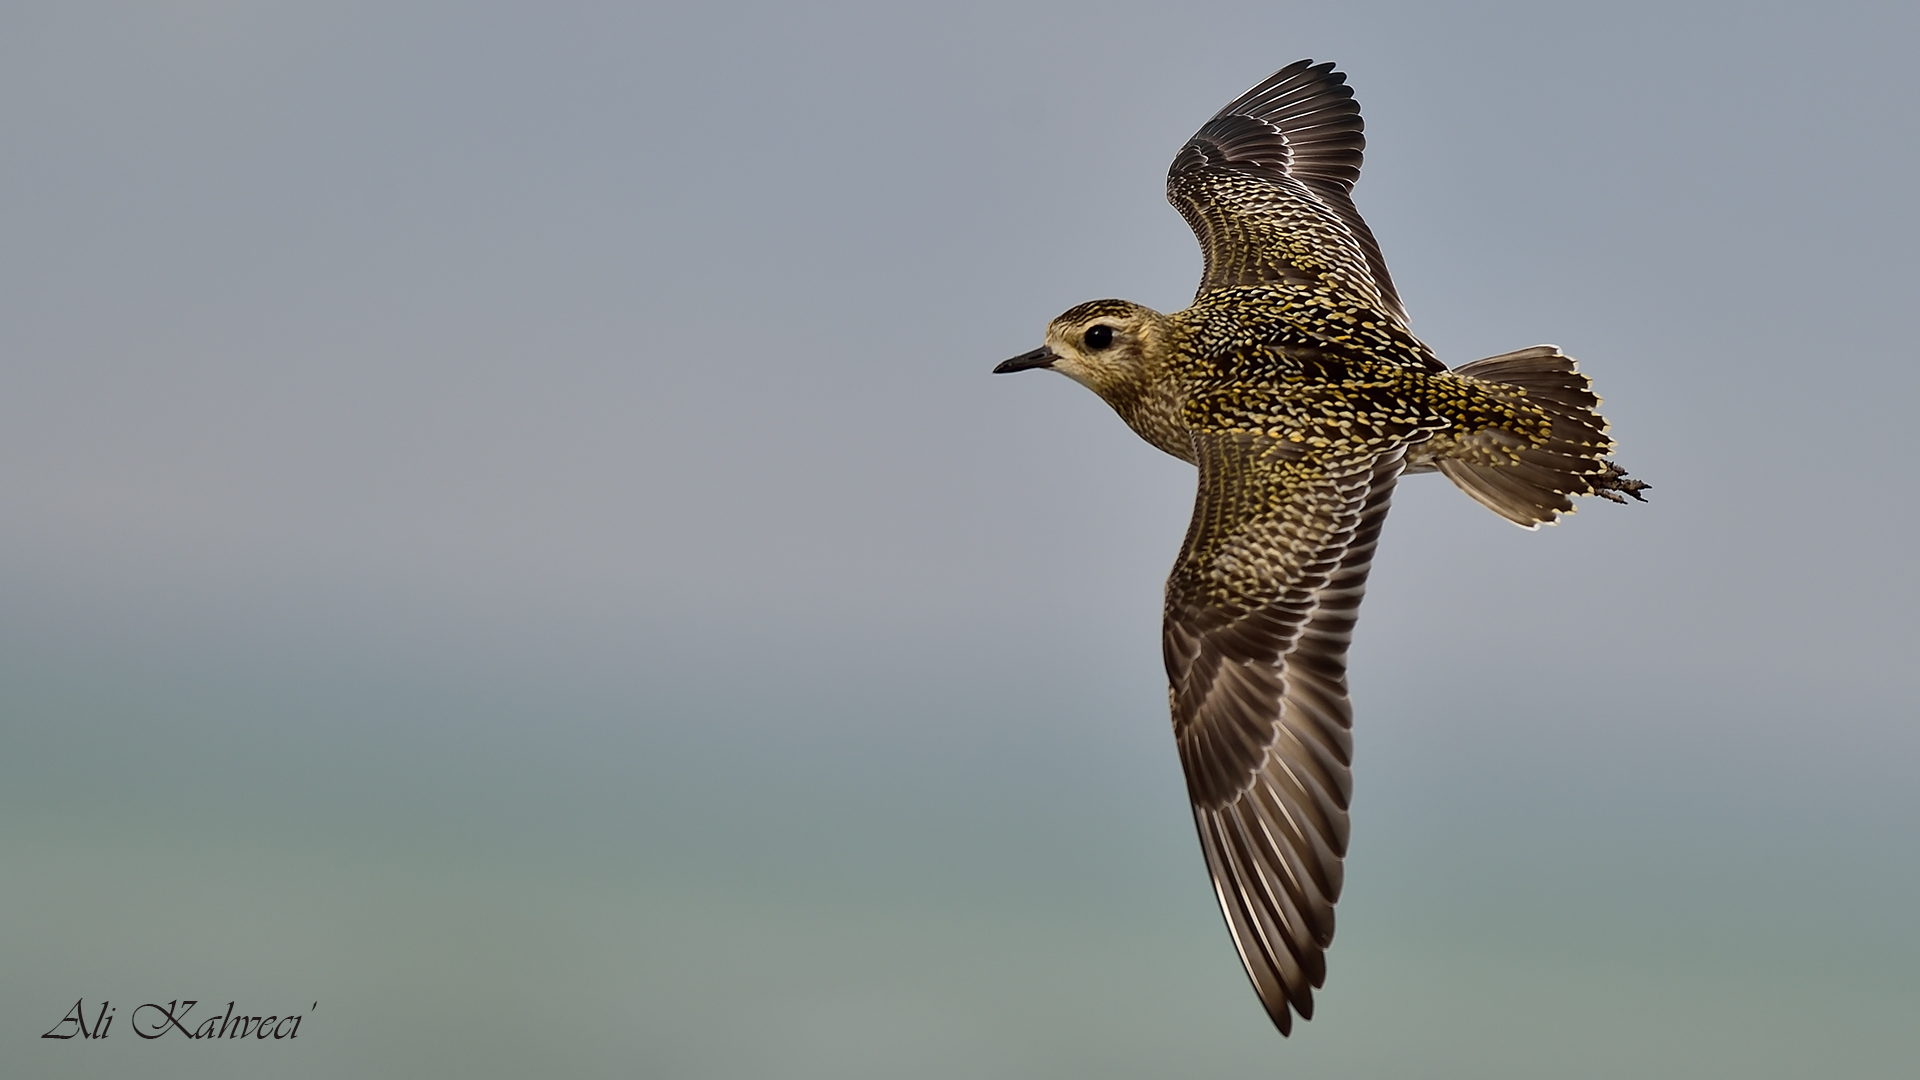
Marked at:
<point>1614,485</point>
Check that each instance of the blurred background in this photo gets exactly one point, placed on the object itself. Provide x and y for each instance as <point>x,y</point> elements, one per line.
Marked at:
<point>508,534</point>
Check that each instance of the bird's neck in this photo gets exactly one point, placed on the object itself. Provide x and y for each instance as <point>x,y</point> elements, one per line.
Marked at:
<point>1151,403</point>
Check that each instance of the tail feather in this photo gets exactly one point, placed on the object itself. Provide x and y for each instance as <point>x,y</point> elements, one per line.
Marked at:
<point>1531,486</point>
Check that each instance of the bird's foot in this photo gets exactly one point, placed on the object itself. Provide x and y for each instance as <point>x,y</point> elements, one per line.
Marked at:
<point>1614,485</point>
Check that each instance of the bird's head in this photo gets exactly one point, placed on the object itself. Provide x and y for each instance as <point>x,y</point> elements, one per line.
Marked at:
<point>1109,346</point>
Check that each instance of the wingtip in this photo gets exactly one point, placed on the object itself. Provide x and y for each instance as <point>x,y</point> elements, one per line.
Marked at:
<point>1282,1013</point>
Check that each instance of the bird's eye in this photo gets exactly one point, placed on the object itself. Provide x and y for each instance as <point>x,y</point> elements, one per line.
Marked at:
<point>1099,336</point>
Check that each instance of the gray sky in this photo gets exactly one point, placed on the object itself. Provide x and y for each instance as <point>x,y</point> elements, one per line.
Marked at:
<point>518,489</point>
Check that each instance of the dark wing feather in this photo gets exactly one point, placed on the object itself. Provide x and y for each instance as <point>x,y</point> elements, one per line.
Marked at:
<point>1260,610</point>
<point>1267,186</point>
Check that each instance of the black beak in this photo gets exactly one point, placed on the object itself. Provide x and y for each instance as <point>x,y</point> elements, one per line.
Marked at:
<point>1040,357</point>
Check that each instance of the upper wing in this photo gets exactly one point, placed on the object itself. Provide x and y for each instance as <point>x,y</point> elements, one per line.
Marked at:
<point>1260,610</point>
<point>1267,187</point>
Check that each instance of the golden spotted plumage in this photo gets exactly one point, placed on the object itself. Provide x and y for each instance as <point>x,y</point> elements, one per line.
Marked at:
<point>1296,387</point>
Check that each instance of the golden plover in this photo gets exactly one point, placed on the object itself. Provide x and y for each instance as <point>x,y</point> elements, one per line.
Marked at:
<point>1295,385</point>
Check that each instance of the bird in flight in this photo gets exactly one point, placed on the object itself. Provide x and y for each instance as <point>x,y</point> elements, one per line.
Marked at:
<point>1295,385</point>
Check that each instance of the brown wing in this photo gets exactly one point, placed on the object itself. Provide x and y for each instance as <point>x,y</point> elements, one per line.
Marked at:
<point>1267,186</point>
<point>1260,610</point>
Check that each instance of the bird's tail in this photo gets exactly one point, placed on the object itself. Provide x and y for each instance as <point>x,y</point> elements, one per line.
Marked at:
<point>1530,485</point>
